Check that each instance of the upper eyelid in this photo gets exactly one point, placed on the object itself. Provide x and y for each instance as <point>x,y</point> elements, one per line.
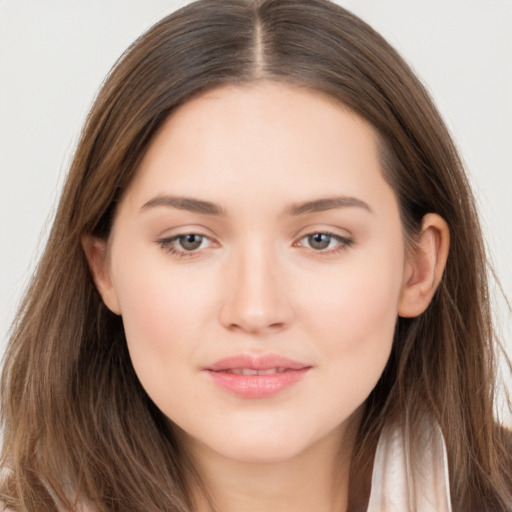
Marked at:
<point>295,237</point>
<point>323,227</point>
<point>185,229</point>
<point>346,235</point>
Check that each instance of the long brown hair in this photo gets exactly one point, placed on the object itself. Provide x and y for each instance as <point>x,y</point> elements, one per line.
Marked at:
<point>77,424</point>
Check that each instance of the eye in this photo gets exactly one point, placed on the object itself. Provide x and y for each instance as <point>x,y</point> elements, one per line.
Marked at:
<point>325,242</point>
<point>184,245</point>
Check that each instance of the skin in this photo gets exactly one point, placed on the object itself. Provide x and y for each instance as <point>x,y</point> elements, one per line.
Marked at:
<point>257,284</point>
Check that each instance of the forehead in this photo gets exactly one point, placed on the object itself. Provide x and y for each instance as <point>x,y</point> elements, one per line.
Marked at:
<point>268,139</point>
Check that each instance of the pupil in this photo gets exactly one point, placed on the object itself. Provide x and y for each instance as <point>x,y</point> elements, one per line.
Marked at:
<point>319,241</point>
<point>191,242</point>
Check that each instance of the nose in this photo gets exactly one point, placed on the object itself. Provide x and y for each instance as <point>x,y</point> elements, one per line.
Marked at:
<point>255,299</point>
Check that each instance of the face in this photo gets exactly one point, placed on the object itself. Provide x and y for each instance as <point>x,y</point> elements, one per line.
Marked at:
<point>258,262</point>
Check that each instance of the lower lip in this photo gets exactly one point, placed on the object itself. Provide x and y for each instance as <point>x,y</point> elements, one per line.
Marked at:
<point>257,386</point>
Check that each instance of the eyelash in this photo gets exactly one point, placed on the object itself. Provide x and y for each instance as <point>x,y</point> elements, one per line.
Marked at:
<point>343,242</point>
<point>167,244</point>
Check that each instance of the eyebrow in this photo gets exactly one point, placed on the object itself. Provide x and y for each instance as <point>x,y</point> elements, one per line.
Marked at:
<point>208,208</point>
<point>186,203</point>
<point>329,203</point>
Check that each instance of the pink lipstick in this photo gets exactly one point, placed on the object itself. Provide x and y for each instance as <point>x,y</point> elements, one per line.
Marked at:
<point>256,376</point>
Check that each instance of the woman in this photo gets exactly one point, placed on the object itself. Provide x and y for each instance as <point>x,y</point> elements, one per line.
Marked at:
<point>265,287</point>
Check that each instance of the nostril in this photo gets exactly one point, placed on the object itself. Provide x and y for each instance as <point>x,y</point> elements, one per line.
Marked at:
<point>256,328</point>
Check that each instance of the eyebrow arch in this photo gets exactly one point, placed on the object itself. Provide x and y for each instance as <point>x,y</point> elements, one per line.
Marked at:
<point>185,203</point>
<point>329,203</point>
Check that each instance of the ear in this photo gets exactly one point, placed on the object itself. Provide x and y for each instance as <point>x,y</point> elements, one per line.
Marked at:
<point>424,266</point>
<point>96,252</point>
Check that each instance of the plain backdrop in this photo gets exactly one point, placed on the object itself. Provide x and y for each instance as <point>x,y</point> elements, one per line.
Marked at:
<point>54,55</point>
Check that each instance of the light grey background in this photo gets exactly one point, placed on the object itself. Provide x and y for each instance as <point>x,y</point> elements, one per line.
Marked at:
<point>54,55</point>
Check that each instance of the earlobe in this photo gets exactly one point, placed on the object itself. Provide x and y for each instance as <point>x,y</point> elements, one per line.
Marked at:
<point>96,254</point>
<point>424,266</point>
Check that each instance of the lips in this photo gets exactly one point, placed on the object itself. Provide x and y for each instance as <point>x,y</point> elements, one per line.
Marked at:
<point>256,376</point>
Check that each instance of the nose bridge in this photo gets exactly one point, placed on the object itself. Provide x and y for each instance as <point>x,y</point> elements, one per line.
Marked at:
<point>256,299</point>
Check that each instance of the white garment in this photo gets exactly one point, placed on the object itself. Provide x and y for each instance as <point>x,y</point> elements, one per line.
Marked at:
<point>393,487</point>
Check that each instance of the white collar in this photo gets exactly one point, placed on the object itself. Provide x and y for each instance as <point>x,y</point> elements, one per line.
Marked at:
<point>400,486</point>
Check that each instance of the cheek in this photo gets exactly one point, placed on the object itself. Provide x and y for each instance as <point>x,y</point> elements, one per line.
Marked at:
<point>353,327</point>
<point>162,315</point>
<point>354,318</point>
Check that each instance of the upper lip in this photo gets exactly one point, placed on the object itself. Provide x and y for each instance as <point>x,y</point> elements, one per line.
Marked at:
<point>256,362</point>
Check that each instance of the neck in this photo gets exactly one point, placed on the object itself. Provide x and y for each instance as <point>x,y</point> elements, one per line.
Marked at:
<point>315,479</point>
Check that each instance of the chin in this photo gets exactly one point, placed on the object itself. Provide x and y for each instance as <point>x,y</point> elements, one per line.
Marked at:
<point>258,442</point>
<point>260,451</point>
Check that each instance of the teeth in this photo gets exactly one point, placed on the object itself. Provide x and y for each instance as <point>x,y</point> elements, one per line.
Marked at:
<point>251,371</point>
<point>245,371</point>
